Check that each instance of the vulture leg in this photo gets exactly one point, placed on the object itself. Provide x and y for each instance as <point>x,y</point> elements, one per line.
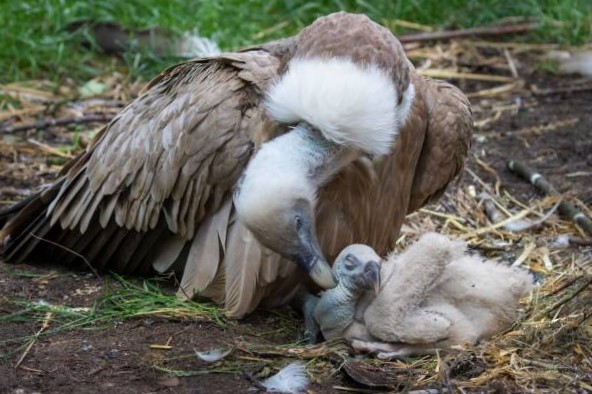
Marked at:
<point>393,351</point>
<point>306,303</point>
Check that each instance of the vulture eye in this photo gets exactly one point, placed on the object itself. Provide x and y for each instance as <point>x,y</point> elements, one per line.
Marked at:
<point>298,222</point>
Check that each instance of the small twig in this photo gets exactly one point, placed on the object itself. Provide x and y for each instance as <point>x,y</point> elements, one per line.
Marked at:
<point>411,25</point>
<point>35,370</point>
<point>44,326</point>
<point>579,241</point>
<point>566,208</point>
<point>481,182</point>
<point>266,32</point>
<point>489,169</point>
<point>355,390</point>
<point>564,300</point>
<point>517,225</point>
<point>511,63</point>
<point>255,382</point>
<point>475,31</point>
<point>552,126</point>
<point>497,225</point>
<point>452,74</point>
<point>160,347</point>
<point>44,124</point>
<point>49,149</point>
<point>547,366</point>
<point>564,286</point>
<point>585,318</point>
<point>524,255</point>
<point>562,89</point>
<point>94,271</point>
<point>498,90</point>
<point>6,115</point>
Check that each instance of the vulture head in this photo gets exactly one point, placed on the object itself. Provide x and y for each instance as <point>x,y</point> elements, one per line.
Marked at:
<point>357,268</point>
<point>276,202</point>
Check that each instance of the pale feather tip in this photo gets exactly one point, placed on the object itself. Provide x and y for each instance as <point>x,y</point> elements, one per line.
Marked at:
<point>291,379</point>
<point>213,355</point>
<point>350,104</point>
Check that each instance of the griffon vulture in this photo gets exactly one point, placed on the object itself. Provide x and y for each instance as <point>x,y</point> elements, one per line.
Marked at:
<point>230,168</point>
<point>434,295</point>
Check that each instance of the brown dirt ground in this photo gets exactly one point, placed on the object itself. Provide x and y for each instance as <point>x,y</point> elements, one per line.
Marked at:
<point>118,357</point>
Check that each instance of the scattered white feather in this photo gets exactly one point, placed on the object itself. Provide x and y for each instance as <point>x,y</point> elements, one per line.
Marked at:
<point>573,62</point>
<point>191,44</point>
<point>42,302</point>
<point>350,105</point>
<point>60,308</point>
<point>213,355</point>
<point>291,379</point>
<point>562,241</point>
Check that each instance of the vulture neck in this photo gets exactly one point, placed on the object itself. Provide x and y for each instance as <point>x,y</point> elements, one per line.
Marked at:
<point>305,153</point>
<point>338,308</point>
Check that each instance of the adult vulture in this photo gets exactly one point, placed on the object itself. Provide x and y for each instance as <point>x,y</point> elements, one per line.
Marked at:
<point>230,168</point>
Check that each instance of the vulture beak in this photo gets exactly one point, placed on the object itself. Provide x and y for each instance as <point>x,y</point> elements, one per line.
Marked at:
<point>372,276</point>
<point>311,259</point>
<point>322,274</point>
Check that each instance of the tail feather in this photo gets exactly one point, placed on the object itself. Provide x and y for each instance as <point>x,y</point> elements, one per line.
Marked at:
<point>102,260</point>
<point>76,242</point>
<point>145,248</point>
<point>23,244</point>
<point>99,244</point>
<point>123,254</point>
<point>7,213</point>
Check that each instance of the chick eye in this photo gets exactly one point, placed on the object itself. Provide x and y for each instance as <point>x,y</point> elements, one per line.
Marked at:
<point>350,262</point>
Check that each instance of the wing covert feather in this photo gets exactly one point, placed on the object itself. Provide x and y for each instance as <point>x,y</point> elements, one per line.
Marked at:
<point>447,142</point>
<point>176,150</point>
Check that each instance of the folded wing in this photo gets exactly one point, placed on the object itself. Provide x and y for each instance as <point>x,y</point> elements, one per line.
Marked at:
<point>138,195</point>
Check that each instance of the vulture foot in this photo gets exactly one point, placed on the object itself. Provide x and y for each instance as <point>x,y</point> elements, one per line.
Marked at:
<point>391,351</point>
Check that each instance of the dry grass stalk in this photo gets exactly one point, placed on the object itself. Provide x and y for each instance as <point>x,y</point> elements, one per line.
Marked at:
<point>498,90</point>
<point>452,74</point>
<point>44,326</point>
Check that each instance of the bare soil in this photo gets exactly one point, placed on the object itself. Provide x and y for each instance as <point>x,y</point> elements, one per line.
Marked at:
<point>118,357</point>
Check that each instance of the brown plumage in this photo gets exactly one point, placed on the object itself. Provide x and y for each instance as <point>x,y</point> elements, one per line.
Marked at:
<point>155,188</point>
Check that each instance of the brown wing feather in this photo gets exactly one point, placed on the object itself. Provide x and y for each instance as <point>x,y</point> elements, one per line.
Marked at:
<point>162,146</point>
<point>171,155</point>
<point>448,140</point>
<point>206,252</point>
